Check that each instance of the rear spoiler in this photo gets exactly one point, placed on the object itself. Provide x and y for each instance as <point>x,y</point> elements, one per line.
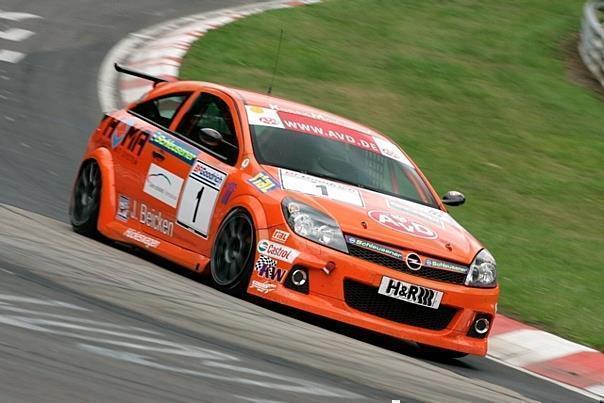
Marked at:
<point>155,80</point>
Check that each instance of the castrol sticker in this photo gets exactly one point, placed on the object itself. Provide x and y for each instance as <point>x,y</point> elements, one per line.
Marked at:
<point>257,115</point>
<point>402,224</point>
<point>277,251</point>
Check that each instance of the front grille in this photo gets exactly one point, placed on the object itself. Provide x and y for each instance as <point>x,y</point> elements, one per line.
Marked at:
<point>399,265</point>
<point>365,298</point>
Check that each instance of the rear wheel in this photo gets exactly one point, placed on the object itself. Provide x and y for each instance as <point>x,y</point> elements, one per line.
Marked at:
<point>233,253</point>
<point>86,200</point>
<point>439,353</point>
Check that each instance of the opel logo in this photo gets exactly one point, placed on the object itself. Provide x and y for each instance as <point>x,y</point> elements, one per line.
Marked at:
<point>413,262</point>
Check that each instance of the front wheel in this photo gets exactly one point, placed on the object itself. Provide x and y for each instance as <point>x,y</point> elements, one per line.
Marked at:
<point>86,200</point>
<point>233,253</point>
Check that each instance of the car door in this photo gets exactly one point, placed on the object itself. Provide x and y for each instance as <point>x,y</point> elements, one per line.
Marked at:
<point>185,177</point>
<point>164,165</point>
<point>201,206</point>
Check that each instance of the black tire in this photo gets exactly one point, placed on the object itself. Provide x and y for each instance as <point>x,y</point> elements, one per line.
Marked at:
<point>233,253</point>
<point>439,354</point>
<point>86,200</point>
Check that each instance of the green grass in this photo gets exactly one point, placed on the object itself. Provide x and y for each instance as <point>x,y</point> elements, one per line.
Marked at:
<point>477,92</point>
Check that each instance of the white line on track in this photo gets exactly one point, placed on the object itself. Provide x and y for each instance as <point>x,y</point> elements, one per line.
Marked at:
<point>563,385</point>
<point>11,56</point>
<point>36,301</point>
<point>15,34</point>
<point>16,16</point>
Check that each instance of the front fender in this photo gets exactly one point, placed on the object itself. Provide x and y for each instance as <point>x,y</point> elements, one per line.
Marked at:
<point>254,208</point>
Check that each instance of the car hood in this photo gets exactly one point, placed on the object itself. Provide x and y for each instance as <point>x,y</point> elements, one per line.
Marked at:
<point>384,219</point>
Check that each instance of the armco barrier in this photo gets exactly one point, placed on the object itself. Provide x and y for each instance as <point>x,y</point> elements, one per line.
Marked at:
<point>591,43</point>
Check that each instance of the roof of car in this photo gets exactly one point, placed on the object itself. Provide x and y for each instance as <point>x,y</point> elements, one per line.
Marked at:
<point>269,101</point>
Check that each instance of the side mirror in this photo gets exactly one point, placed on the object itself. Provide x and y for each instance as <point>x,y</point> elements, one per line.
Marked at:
<point>453,198</point>
<point>210,137</point>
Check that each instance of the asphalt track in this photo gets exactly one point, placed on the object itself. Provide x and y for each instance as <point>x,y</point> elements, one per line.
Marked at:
<point>84,321</point>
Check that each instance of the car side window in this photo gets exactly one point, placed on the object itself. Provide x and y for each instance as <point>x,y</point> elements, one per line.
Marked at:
<point>211,112</point>
<point>161,110</point>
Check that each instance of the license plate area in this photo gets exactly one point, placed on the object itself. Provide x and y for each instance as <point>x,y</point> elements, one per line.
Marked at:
<point>412,293</point>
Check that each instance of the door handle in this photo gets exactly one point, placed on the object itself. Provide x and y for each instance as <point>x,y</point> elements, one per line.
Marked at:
<point>158,156</point>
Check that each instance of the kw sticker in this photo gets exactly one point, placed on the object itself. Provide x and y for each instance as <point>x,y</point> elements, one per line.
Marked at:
<point>267,268</point>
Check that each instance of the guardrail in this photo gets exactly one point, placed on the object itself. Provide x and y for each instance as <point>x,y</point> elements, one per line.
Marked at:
<point>591,43</point>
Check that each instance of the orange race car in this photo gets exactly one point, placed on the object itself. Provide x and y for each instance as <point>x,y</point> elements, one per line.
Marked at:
<point>288,203</point>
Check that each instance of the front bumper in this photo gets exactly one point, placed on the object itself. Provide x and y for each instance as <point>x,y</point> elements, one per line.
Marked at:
<point>349,294</point>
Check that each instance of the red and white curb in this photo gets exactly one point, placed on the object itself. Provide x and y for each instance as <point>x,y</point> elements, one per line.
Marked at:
<point>548,356</point>
<point>158,50</point>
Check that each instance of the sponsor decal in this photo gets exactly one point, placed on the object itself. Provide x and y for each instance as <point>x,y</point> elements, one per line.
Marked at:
<point>123,135</point>
<point>207,174</point>
<point>277,251</point>
<point>375,247</point>
<point>402,224</point>
<point>154,219</point>
<point>174,146</point>
<point>267,268</point>
<point>229,189</point>
<point>280,236</point>
<point>141,238</point>
<point>299,182</point>
<point>199,198</point>
<point>327,130</point>
<point>331,127</point>
<point>263,182</point>
<point>435,216</point>
<point>413,261</point>
<point>448,266</point>
<point>391,151</point>
<point>123,208</point>
<point>163,185</point>
<point>245,163</point>
<point>264,288</point>
<point>412,293</point>
<point>324,117</point>
<point>257,115</point>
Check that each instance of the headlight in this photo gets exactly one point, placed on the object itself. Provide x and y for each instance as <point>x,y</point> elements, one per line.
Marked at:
<point>312,224</point>
<point>483,271</point>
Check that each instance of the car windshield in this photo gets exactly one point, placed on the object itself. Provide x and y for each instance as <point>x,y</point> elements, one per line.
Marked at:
<point>339,161</point>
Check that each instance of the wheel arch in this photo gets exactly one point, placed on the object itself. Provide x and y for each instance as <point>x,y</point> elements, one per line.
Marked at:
<point>253,207</point>
<point>103,158</point>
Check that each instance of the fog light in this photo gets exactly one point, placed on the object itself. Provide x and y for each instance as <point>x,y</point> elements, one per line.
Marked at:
<point>298,280</point>
<point>482,325</point>
<point>299,277</point>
